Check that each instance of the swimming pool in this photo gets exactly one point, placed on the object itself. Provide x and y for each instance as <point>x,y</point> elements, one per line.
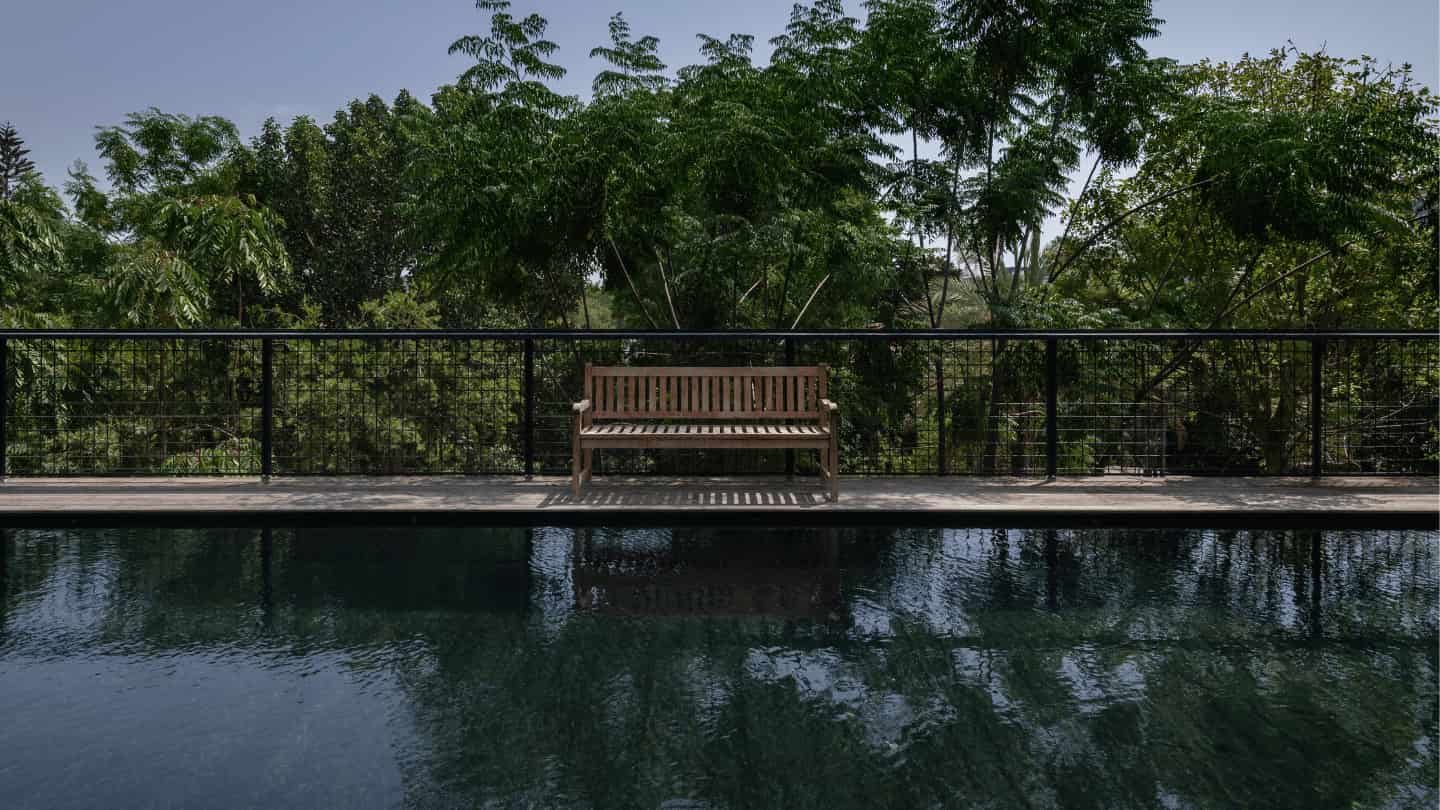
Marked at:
<point>689,668</point>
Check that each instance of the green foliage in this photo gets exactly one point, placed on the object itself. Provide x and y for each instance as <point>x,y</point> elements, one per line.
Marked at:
<point>895,171</point>
<point>636,65</point>
<point>149,284</point>
<point>1308,147</point>
<point>748,190</point>
<point>1011,93</point>
<point>31,220</point>
<point>340,190</point>
<point>1299,176</point>
<point>483,208</point>
<point>34,228</point>
<point>165,152</point>
<point>14,166</point>
<point>179,240</point>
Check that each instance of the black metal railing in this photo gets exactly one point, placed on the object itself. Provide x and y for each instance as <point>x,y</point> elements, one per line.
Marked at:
<point>940,402</point>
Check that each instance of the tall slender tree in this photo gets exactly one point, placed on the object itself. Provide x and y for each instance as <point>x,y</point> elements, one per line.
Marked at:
<point>14,165</point>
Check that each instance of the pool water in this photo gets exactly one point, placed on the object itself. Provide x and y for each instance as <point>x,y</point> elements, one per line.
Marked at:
<point>702,668</point>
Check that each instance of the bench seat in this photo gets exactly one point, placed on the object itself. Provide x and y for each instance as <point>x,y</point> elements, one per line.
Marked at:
<point>703,435</point>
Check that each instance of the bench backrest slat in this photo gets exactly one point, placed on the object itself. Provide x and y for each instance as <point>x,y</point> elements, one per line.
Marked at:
<point>705,392</point>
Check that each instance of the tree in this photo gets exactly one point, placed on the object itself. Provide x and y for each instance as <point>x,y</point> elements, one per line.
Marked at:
<point>33,231</point>
<point>745,196</point>
<point>1008,95</point>
<point>340,190</point>
<point>32,220</point>
<point>14,166</point>
<point>1011,94</point>
<point>180,238</point>
<point>1276,191</point>
<point>635,64</point>
<point>481,211</point>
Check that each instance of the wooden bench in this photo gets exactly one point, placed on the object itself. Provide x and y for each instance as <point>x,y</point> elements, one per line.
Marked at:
<point>705,407</point>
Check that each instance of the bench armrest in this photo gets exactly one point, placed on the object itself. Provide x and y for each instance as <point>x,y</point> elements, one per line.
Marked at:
<point>581,406</point>
<point>829,415</point>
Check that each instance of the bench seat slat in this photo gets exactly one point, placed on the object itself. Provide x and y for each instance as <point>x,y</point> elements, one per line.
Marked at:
<point>655,436</point>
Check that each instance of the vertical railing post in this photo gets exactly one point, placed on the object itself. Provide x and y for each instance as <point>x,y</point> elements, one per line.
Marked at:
<point>4,404</point>
<point>944,461</point>
<point>529,407</point>
<point>790,361</point>
<point>267,407</point>
<point>1052,408</point>
<point>1317,406</point>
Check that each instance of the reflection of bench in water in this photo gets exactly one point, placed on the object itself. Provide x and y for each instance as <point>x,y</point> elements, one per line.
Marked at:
<point>703,573</point>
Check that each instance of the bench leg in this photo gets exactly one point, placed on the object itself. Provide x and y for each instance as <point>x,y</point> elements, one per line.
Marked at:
<point>828,465</point>
<point>589,466</point>
<point>575,469</point>
<point>834,470</point>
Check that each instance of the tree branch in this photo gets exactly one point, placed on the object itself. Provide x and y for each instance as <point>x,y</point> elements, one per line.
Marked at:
<point>1070,220</point>
<point>1287,274</point>
<point>630,281</point>
<point>1109,226</point>
<point>752,288</point>
<point>809,301</point>
<point>665,282</point>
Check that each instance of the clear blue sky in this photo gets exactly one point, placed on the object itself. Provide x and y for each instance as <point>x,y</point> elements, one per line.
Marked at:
<point>69,65</point>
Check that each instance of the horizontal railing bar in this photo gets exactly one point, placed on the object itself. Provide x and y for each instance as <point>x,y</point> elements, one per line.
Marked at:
<point>637,334</point>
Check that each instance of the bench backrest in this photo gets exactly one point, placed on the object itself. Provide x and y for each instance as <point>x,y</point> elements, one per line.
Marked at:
<point>705,392</point>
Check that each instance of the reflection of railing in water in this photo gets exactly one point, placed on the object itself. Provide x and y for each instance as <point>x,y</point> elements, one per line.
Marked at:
<point>934,402</point>
<point>800,580</point>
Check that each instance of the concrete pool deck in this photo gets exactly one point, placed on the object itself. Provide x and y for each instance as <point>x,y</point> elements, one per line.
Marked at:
<point>546,500</point>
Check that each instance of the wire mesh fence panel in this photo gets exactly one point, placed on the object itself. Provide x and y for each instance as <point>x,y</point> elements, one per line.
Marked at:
<point>994,394</point>
<point>1248,409</point>
<point>910,403</point>
<point>112,406</point>
<point>886,393</point>
<point>1113,406</point>
<point>1381,399</point>
<point>1148,407</point>
<point>398,406</point>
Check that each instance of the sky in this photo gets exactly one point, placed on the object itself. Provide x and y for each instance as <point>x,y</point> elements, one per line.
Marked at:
<point>71,65</point>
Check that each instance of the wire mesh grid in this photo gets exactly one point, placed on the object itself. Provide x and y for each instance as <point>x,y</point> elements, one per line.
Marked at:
<point>115,406</point>
<point>914,405</point>
<point>1151,407</point>
<point>1381,401</point>
<point>885,390</point>
<point>398,406</point>
<point>994,394</point>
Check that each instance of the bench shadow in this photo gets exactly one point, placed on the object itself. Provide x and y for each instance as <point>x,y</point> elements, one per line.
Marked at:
<point>703,495</point>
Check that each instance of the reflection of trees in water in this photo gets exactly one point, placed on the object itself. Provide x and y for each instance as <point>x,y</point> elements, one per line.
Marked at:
<point>1026,668</point>
<point>1084,668</point>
